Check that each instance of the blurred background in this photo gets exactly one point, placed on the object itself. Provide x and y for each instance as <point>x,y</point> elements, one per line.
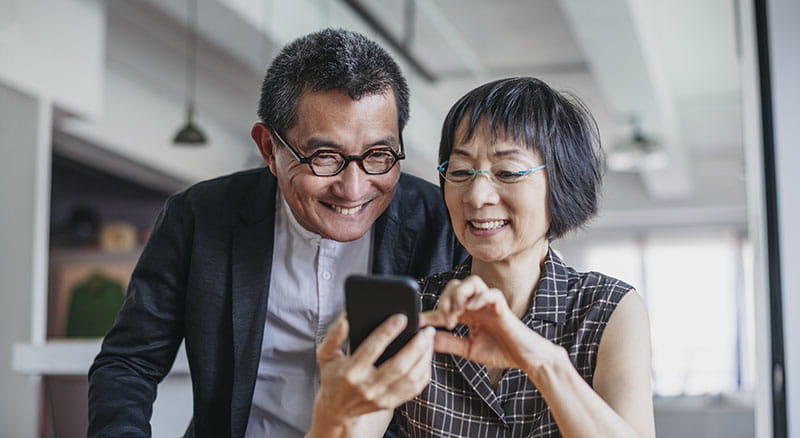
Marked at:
<point>696,121</point>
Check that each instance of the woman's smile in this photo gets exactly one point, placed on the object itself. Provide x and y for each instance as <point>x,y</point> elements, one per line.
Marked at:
<point>490,227</point>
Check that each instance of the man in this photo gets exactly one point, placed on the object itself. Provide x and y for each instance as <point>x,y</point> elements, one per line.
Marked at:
<point>248,269</point>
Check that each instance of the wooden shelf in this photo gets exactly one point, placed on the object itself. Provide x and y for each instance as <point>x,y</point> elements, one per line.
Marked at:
<point>89,255</point>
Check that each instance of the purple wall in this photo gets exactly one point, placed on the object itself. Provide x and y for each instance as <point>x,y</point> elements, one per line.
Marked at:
<point>111,198</point>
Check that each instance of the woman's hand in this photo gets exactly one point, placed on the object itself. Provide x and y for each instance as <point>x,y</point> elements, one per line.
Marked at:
<point>352,388</point>
<point>497,337</point>
<point>622,405</point>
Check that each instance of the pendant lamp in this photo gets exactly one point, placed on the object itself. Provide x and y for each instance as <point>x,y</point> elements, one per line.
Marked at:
<point>190,134</point>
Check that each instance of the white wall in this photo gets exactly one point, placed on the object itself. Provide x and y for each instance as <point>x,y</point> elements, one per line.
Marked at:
<point>25,182</point>
<point>784,34</point>
<point>54,49</point>
<point>55,76</point>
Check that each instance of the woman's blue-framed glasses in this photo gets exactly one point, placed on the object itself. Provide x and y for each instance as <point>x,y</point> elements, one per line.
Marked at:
<point>458,174</point>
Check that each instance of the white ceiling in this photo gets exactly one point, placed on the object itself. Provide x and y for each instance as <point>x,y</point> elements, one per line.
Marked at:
<point>674,65</point>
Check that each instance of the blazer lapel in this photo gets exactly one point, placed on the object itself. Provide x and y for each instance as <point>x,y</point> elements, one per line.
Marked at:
<point>393,244</point>
<point>252,245</point>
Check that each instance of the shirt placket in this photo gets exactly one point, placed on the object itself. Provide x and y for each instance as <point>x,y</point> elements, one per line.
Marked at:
<point>325,282</point>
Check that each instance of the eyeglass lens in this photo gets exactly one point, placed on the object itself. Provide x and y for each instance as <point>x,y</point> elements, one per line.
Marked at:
<point>374,161</point>
<point>507,172</point>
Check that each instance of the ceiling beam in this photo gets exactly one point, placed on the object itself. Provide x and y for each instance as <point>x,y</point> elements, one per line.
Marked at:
<point>400,47</point>
<point>618,42</point>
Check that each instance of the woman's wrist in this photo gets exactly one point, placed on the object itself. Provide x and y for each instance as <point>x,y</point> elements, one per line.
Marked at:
<point>549,367</point>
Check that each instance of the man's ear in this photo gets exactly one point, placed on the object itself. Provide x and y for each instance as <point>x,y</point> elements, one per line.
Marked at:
<point>262,135</point>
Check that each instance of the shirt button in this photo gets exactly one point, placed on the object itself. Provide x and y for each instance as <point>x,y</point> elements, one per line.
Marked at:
<point>326,275</point>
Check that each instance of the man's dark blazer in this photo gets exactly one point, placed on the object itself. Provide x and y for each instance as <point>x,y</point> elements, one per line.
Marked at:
<point>203,277</point>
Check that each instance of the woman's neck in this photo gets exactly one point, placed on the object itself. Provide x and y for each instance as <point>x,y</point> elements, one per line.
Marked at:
<point>516,276</point>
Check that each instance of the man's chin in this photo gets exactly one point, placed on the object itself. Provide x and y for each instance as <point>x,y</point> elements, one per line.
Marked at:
<point>344,235</point>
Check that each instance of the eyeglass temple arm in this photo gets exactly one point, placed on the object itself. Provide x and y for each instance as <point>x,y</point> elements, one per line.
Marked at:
<point>295,154</point>
<point>402,154</point>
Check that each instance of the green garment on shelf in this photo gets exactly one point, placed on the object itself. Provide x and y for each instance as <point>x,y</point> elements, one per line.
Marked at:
<point>94,306</point>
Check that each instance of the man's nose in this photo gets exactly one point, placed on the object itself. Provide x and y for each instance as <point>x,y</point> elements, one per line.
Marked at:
<point>351,182</point>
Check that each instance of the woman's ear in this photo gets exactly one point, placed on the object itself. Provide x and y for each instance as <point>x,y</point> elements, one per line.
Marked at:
<point>262,135</point>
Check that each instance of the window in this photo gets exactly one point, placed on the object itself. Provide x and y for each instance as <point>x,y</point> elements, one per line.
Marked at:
<point>700,313</point>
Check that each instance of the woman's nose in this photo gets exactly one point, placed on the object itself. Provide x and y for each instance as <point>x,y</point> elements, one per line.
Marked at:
<point>481,191</point>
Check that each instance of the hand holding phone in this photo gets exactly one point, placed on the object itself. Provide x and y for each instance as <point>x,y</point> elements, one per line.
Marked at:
<point>370,300</point>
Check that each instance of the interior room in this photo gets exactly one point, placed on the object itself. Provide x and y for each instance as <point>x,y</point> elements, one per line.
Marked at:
<point>695,101</point>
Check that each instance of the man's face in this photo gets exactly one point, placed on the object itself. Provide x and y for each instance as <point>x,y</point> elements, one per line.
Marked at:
<point>341,207</point>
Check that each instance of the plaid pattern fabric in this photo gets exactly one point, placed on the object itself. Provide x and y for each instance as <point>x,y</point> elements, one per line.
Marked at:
<point>569,308</point>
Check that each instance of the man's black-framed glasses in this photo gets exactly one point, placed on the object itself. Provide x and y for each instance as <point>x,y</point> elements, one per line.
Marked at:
<point>326,162</point>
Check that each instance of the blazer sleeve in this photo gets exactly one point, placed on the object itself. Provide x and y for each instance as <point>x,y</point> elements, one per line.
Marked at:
<point>140,348</point>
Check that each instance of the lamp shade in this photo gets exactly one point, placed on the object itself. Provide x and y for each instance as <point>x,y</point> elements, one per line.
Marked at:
<point>190,134</point>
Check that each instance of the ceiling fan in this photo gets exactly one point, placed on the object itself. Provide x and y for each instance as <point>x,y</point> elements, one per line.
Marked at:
<point>637,153</point>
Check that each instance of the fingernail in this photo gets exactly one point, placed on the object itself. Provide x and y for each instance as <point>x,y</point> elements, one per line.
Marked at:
<point>398,319</point>
<point>429,331</point>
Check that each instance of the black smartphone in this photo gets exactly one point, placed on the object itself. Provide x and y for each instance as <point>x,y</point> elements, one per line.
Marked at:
<point>371,299</point>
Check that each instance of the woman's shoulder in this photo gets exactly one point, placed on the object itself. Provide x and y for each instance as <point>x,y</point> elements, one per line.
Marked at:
<point>596,283</point>
<point>594,294</point>
<point>585,287</point>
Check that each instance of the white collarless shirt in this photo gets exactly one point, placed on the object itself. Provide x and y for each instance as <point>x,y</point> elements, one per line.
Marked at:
<point>306,296</point>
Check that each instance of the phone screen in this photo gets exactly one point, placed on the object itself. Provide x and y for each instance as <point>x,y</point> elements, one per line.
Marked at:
<point>370,300</point>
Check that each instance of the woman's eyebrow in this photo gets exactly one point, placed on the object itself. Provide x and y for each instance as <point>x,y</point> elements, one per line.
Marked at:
<point>503,153</point>
<point>507,152</point>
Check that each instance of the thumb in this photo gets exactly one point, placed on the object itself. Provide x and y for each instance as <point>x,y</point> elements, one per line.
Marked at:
<point>331,346</point>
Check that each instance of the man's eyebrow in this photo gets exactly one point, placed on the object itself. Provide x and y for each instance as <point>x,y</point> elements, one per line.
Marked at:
<point>390,140</point>
<point>318,143</point>
<point>315,143</point>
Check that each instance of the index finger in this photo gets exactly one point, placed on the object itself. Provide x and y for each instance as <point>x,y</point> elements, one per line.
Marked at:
<point>330,347</point>
<point>457,292</point>
<point>438,318</point>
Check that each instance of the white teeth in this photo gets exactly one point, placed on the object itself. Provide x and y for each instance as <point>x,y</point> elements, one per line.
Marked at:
<point>347,211</point>
<point>488,225</point>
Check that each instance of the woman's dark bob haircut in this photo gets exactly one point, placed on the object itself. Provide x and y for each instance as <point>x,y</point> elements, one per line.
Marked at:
<point>557,126</point>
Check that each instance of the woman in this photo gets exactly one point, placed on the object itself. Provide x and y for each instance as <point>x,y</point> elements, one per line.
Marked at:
<point>538,349</point>
<point>535,348</point>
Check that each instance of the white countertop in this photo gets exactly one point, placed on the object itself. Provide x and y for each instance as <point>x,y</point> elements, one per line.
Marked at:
<point>68,357</point>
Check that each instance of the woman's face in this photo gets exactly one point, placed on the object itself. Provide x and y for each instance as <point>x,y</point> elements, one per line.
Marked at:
<point>497,221</point>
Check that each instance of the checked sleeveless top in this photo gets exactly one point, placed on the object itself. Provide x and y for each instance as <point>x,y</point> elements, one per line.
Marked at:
<point>569,308</point>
